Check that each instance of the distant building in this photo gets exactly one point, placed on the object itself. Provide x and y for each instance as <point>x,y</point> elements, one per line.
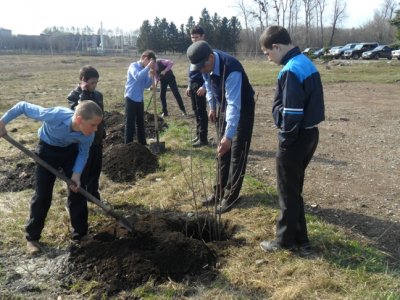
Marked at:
<point>5,32</point>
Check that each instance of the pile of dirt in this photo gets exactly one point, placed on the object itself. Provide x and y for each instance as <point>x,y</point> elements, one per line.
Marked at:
<point>127,162</point>
<point>163,246</point>
<point>19,178</point>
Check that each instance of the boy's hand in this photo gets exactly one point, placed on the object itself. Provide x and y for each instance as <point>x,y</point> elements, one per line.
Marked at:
<point>212,116</point>
<point>224,146</point>
<point>201,91</point>
<point>3,130</point>
<point>83,85</point>
<point>76,178</point>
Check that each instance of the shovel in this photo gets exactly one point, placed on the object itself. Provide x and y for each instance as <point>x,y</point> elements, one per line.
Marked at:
<point>122,221</point>
<point>157,147</point>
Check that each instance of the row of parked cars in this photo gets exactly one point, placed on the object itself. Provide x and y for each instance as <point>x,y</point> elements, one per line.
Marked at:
<point>354,51</point>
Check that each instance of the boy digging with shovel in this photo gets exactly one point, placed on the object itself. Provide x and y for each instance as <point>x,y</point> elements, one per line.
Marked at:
<point>65,139</point>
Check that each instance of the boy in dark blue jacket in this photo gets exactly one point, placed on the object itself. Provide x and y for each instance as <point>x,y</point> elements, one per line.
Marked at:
<point>196,90</point>
<point>297,110</point>
<point>86,90</point>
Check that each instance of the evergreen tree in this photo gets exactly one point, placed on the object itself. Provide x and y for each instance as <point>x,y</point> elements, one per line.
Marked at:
<point>396,22</point>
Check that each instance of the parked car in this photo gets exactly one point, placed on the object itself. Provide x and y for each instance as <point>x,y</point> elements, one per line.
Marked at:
<point>337,53</point>
<point>309,51</point>
<point>382,51</point>
<point>358,50</point>
<point>332,50</point>
<point>321,52</point>
<point>396,54</point>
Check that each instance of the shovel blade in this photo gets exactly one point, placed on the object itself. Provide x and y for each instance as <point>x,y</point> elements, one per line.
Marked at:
<point>157,148</point>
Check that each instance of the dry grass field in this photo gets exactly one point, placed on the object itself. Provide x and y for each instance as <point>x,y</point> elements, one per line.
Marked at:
<point>351,193</point>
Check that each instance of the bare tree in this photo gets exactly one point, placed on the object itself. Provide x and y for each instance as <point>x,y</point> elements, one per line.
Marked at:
<point>339,9</point>
<point>320,6</point>
<point>293,15</point>
<point>262,13</point>
<point>285,4</point>
<point>277,7</point>
<point>308,11</point>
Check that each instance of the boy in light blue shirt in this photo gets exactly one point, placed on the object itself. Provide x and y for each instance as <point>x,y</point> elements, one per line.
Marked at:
<point>65,139</point>
<point>139,77</point>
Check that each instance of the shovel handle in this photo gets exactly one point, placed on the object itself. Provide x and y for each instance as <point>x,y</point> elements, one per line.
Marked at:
<point>124,222</point>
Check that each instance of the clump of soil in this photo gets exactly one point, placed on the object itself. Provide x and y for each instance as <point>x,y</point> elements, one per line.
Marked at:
<point>128,162</point>
<point>19,178</point>
<point>162,246</point>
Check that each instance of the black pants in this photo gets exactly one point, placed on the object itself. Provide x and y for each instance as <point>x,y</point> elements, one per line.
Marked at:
<point>134,121</point>
<point>233,162</point>
<point>59,158</point>
<point>291,164</point>
<point>171,82</point>
<point>199,106</point>
<point>92,170</point>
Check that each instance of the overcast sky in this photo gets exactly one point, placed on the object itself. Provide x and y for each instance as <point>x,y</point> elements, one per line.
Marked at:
<point>33,16</point>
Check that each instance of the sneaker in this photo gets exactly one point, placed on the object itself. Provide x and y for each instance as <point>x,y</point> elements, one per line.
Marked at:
<point>33,247</point>
<point>199,143</point>
<point>184,114</point>
<point>195,139</point>
<point>273,246</point>
<point>164,114</point>
<point>305,250</point>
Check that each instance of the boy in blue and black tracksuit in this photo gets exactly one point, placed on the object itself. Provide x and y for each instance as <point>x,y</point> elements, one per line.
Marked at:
<point>297,110</point>
<point>229,91</point>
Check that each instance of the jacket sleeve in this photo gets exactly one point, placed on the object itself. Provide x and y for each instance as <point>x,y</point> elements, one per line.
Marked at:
<point>292,110</point>
<point>73,98</point>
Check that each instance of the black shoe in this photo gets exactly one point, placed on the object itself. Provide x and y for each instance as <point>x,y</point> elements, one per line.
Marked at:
<point>195,139</point>
<point>273,246</point>
<point>209,201</point>
<point>199,143</point>
<point>164,114</point>
<point>305,250</point>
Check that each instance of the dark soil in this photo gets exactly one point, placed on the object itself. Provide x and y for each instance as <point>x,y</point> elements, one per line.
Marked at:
<point>127,162</point>
<point>163,246</point>
<point>18,178</point>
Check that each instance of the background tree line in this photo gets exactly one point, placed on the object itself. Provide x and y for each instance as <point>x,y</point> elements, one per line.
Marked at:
<point>316,23</point>
<point>163,36</point>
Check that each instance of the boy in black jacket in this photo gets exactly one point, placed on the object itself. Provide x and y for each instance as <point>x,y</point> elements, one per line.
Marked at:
<point>297,110</point>
<point>86,90</point>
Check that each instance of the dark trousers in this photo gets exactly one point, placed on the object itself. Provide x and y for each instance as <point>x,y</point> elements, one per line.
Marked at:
<point>199,106</point>
<point>171,82</point>
<point>59,158</point>
<point>92,170</point>
<point>291,164</point>
<point>134,121</point>
<point>233,163</point>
